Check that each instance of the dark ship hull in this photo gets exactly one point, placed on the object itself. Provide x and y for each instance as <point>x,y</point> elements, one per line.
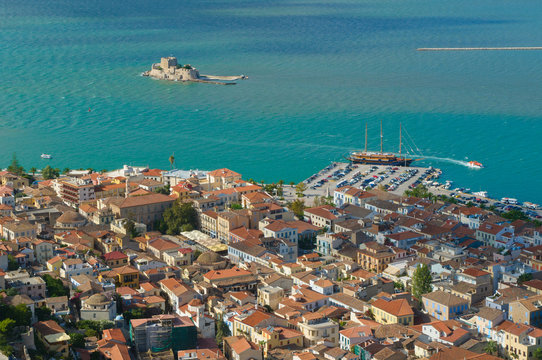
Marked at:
<point>379,159</point>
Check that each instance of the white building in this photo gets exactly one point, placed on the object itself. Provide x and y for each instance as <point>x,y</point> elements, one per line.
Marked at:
<point>75,267</point>
<point>98,307</point>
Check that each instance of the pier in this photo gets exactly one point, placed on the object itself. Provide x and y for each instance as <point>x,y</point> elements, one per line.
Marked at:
<point>481,48</point>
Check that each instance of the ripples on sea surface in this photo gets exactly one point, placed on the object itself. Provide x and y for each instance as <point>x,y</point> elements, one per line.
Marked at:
<point>318,71</point>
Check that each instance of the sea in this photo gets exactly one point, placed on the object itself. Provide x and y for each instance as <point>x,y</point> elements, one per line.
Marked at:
<point>71,86</point>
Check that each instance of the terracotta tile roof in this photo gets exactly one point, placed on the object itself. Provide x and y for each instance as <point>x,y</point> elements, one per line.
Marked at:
<point>227,273</point>
<point>357,331</point>
<point>323,211</point>
<point>398,307</point>
<point>163,244</point>
<point>255,318</point>
<point>115,255</point>
<point>444,298</point>
<point>475,272</point>
<point>114,334</point>
<point>535,283</point>
<point>224,172</point>
<point>242,345</point>
<point>48,327</point>
<point>125,270</point>
<point>152,172</point>
<point>145,200</point>
<point>174,286</point>
<point>153,299</point>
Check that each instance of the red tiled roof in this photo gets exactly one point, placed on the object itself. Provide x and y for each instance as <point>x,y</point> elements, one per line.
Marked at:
<point>115,255</point>
<point>475,272</point>
<point>398,307</point>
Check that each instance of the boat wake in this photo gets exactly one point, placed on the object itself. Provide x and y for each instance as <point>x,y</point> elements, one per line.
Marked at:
<point>448,160</point>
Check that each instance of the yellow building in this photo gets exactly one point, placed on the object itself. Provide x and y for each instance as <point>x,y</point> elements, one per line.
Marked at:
<point>393,312</point>
<point>9,179</point>
<point>53,337</point>
<point>54,264</point>
<point>122,276</point>
<point>518,340</point>
<point>276,336</point>
<point>375,257</point>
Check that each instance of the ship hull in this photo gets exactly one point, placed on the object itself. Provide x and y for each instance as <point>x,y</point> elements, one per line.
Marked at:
<point>391,162</point>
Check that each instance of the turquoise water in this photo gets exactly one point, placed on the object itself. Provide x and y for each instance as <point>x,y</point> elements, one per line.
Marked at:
<point>318,71</point>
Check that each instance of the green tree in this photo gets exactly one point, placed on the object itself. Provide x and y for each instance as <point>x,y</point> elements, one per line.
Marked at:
<point>525,277</point>
<point>162,190</point>
<point>130,228</point>
<point>12,292</point>
<point>307,243</point>
<point>491,347</point>
<point>537,353</point>
<point>172,161</point>
<point>49,173</point>
<point>420,191</point>
<point>514,215</point>
<point>222,331</point>
<point>91,333</point>
<point>33,170</point>
<point>300,188</point>
<point>55,287</point>
<point>298,207</point>
<point>97,326</point>
<point>15,167</point>
<point>77,340</point>
<point>43,313</point>
<point>317,201</point>
<point>21,314</point>
<point>12,263</point>
<point>236,206</point>
<point>399,285</point>
<point>179,217</point>
<point>6,326</point>
<point>66,171</point>
<point>421,281</point>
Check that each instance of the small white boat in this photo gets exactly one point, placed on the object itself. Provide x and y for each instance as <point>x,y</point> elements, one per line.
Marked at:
<point>480,193</point>
<point>530,205</point>
<point>46,156</point>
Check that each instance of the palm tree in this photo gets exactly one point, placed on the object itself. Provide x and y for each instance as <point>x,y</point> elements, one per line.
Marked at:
<point>491,347</point>
<point>280,183</point>
<point>33,170</point>
<point>172,160</point>
<point>66,170</point>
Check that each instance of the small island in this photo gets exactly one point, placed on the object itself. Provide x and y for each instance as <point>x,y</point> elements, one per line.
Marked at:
<point>169,69</point>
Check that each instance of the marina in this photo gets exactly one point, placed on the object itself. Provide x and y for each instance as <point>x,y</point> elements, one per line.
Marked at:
<point>396,180</point>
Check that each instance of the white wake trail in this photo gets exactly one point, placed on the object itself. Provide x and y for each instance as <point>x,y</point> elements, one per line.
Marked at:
<point>453,161</point>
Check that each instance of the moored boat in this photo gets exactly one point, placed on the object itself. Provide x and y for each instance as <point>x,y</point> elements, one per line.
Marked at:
<point>379,158</point>
<point>480,193</point>
<point>46,156</point>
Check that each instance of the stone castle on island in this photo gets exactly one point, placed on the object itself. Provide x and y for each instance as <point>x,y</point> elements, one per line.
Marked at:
<point>169,69</point>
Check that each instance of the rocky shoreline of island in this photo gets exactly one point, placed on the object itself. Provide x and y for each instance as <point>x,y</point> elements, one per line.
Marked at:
<point>169,69</point>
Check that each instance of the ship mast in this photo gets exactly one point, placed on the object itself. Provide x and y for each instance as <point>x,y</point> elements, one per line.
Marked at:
<point>400,138</point>
<point>381,138</point>
<point>365,137</point>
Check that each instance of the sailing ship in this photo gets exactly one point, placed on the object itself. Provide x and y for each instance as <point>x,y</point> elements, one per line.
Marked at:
<point>380,158</point>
